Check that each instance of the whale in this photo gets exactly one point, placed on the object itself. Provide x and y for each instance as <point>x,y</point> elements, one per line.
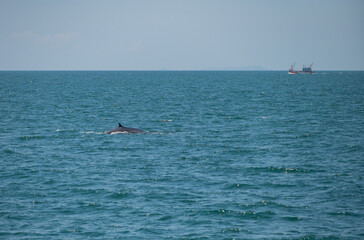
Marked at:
<point>122,129</point>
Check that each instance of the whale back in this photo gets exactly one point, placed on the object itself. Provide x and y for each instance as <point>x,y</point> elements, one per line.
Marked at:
<point>122,129</point>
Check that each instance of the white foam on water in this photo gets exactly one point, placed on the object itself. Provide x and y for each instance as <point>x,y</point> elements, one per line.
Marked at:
<point>92,132</point>
<point>158,133</point>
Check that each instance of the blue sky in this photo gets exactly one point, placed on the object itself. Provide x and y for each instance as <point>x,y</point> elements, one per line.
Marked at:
<point>181,35</point>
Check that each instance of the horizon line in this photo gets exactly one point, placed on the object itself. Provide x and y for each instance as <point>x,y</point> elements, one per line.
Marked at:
<point>164,70</point>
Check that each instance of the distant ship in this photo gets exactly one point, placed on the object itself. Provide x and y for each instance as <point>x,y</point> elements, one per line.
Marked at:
<point>305,70</point>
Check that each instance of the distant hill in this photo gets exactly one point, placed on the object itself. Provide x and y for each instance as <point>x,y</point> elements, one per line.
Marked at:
<point>248,68</point>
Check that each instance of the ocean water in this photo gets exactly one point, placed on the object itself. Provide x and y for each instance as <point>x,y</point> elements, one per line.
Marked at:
<point>227,155</point>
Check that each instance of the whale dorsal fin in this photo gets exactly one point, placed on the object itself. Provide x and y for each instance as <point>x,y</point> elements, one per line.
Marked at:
<point>120,125</point>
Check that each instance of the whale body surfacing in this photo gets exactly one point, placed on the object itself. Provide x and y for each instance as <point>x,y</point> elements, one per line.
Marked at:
<point>122,129</point>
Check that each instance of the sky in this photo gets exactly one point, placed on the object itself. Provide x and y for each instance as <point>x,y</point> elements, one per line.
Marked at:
<point>181,35</point>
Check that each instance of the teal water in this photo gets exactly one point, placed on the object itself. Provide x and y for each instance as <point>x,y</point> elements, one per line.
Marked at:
<point>227,155</point>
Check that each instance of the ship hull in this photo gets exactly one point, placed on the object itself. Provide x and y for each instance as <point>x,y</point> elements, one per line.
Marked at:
<point>301,72</point>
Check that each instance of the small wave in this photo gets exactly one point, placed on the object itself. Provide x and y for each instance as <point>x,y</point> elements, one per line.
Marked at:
<point>119,195</point>
<point>240,185</point>
<point>253,214</point>
<point>87,191</point>
<point>237,151</point>
<point>30,137</point>
<point>66,130</point>
<point>292,219</point>
<point>10,151</point>
<point>282,169</point>
<point>166,218</point>
<point>265,203</point>
<point>245,214</point>
<point>93,132</point>
<point>280,185</point>
<point>158,133</point>
<point>315,237</point>
<point>232,230</point>
<point>88,204</point>
<point>343,213</point>
<point>308,135</point>
<point>353,148</point>
<point>166,120</point>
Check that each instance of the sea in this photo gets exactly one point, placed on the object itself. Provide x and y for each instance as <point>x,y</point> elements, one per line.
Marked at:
<point>225,155</point>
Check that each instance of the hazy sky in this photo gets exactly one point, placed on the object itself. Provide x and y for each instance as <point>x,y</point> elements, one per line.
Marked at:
<point>176,34</point>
